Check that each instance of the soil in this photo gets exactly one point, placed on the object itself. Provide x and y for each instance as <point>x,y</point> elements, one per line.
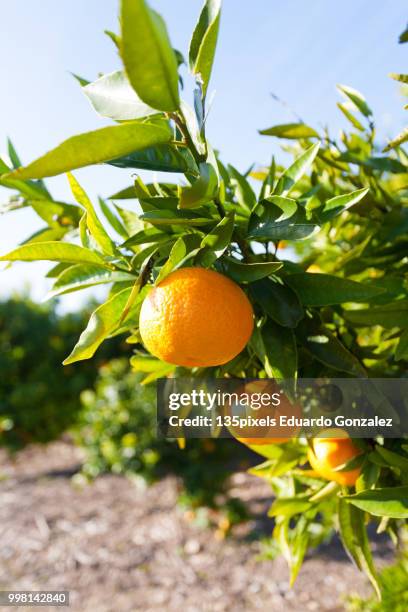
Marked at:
<point>118,547</point>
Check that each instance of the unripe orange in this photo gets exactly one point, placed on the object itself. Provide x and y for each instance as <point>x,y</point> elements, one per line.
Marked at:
<point>196,318</point>
<point>332,451</point>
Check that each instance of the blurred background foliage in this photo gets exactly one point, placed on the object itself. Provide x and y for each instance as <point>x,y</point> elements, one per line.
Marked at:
<point>39,399</point>
<point>117,430</point>
<point>102,405</point>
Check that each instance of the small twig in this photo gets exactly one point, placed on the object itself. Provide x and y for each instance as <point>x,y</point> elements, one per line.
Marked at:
<point>244,248</point>
<point>181,123</point>
<point>140,282</point>
<point>220,208</point>
<point>286,105</point>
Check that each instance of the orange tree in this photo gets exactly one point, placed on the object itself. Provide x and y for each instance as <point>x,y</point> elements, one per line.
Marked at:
<point>341,206</point>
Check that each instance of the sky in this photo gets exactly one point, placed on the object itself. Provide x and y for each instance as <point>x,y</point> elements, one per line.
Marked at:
<point>296,49</point>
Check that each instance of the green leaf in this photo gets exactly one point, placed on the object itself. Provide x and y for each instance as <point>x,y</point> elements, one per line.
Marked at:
<point>214,244</point>
<point>95,147</point>
<point>56,213</point>
<point>386,164</point>
<point>145,364</point>
<point>299,547</point>
<point>277,301</point>
<point>278,465</point>
<point>4,168</point>
<point>130,220</point>
<point>401,352</point>
<point>47,234</point>
<point>14,158</point>
<point>275,347</point>
<point>194,130</point>
<point>269,181</point>
<point>112,219</point>
<point>290,506</point>
<point>103,322</point>
<point>148,365</point>
<point>162,158</point>
<point>353,120</point>
<point>335,206</point>
<point>391,502</point>
<point>243,191</point>
<point>81,276</point>
<point>169,217</point>
<point>148,204</point>
<point>356,98</point>
<point>203,190</point>
<point>114,38</point>
<point>83,82</point>
<point>204,41</point>
<point>293,543</point>
<point>83,232</point>
<point>326,290</point>
<point>355,540</point>
<point>388,316</point>
<point>369,476</point>
<point>183,248</point>
<point>112,96</point>
<point>141,255</point>
<point>403,38</point>
<point>268,227</point>
<point>57,270</point>
<point>148,56</point>
<point>290,130</point>
<point>301,165</point>
<point>248,272</point>
<point>128,193</point>
<point>54,251</point>
<point>326,348</point>
<point>398,140</point>
<point>34,190</point>
<point>147,236</point>
<point>393,459</point>
<point>95,227</point>
<point>280,351</point>
<point>153,367</point>
<point>288,206</point>
<point>403,78</point>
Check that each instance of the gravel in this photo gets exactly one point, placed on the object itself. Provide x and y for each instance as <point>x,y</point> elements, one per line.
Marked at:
<point>120,547</point>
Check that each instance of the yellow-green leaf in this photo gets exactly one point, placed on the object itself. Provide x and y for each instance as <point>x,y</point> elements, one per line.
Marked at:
<point>290,130</point>
<point>204,41</point>
<point>93,148</point>
<point>147,54</point>
<point>54,251</point>
<point>103,322</point>
<point>95,227</point>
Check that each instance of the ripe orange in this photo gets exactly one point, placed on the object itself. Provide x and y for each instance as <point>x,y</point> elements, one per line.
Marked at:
<point>262,441</point>
<point>332,451</point>
<point>258,435</point>
<point>196,318</point>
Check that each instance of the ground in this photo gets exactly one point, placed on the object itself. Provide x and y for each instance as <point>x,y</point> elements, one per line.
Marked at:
<point>119,547</point>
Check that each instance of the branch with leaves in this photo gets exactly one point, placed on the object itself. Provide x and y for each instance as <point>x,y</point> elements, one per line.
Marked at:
<point>319,248</point>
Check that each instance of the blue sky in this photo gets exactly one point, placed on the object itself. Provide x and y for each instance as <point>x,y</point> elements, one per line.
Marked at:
<point>299,50</point>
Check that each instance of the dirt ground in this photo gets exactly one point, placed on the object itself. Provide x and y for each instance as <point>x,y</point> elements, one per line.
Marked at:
<point>118,547</point>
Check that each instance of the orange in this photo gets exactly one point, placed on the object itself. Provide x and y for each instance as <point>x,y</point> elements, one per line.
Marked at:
<point>196,318</point>
<point>255,389</point>
<point>262,441</point>
<point>332,451</point>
